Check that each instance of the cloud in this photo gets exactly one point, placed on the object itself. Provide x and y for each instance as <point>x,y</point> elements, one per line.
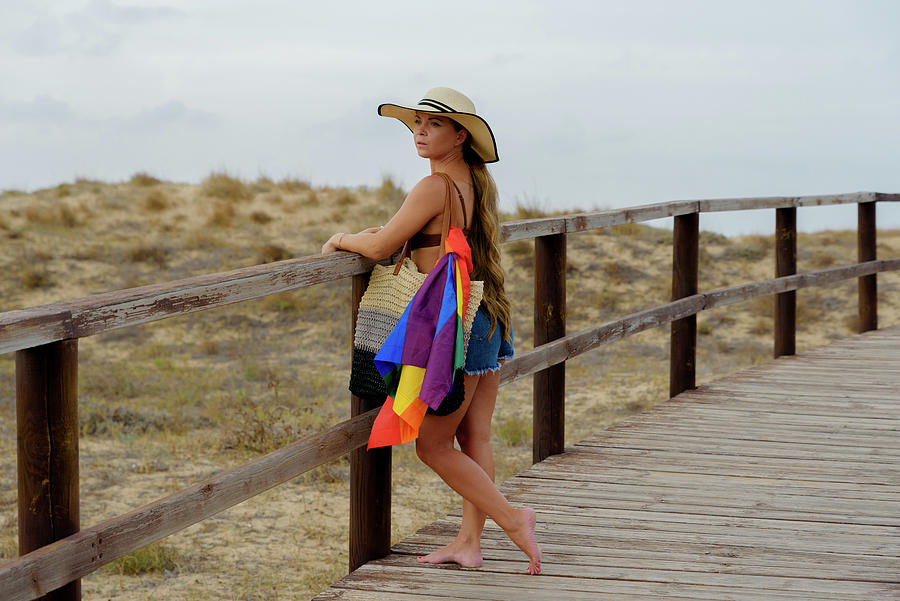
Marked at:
<point>42,109</point>
<point>169,114</point>
<point>95,30</point>
<point>45,109</point>
<point>103,9</point>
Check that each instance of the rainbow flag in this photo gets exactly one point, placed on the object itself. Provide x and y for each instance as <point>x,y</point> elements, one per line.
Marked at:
<point>425,348</point>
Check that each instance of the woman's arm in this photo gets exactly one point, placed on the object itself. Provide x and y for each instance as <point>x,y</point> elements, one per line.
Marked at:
<point>424,202</point>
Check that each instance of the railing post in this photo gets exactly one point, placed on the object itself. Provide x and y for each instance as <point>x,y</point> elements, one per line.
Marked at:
<point>370,476</point>
<point>683,346</point>
<point>549,324</point>
<point>785,264</point>
<point>47,440</point>
<point>868,284</point>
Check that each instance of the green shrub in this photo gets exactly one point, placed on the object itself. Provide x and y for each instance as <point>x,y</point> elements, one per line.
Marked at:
<point>514,431</point>
<point>155,558</point>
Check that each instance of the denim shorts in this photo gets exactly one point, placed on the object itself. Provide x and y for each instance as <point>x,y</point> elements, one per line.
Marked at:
<point>484,353</point>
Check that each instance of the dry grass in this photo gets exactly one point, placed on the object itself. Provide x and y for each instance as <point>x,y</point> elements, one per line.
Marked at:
<point>155,201</point>
<point>271,253</point>
<point>293,185</point>
<point>222,214</point>
<point>226,187</point>
<point>144,180</point>
<point>165,405</point>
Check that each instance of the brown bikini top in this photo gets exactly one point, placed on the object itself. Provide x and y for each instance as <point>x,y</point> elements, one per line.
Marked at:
<point>421,240</point>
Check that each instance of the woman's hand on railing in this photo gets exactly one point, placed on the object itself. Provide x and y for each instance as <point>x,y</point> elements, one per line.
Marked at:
<point>333,244</point>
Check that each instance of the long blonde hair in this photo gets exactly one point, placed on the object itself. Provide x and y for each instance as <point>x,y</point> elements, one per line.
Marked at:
<point>484,239</point>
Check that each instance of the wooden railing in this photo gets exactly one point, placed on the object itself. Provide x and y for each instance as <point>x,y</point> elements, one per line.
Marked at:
<point>56,553</point>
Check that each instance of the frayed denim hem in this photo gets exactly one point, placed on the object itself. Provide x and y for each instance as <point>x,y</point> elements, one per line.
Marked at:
<point>481,372</point>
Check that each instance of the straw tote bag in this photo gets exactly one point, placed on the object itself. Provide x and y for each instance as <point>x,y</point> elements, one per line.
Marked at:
<point>389,292</point>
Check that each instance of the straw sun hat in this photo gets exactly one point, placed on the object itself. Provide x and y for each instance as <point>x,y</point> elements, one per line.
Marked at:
<point>447,102</point>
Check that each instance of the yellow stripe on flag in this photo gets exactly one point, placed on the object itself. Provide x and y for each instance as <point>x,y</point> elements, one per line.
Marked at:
<point>408,388</point>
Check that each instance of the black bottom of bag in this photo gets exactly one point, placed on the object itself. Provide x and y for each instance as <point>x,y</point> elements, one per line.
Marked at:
<point>366,383</point>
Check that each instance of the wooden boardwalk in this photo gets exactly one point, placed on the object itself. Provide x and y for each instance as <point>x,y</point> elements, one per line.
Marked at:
<point>779,483</point>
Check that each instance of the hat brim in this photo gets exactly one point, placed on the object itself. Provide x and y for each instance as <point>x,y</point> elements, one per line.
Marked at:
<point>482,137</point>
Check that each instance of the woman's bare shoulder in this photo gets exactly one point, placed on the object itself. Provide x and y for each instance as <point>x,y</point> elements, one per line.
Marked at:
<point>430,184</point>
<point>430,190</point>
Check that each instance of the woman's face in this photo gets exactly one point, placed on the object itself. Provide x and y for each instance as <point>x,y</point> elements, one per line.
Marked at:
<point>436,136</point>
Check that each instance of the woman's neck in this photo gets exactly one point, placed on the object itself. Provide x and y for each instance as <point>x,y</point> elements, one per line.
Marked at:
<point>451,165</point>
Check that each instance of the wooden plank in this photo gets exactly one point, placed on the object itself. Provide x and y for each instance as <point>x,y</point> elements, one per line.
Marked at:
<point>710,466</point>
<point>676,480</point>
<point>768,489</point>
<point>679,498</point>
<point>778,202</point>
<point>738,432</point>
<point>80,554</point>
<point>691,558</point>
<point>546,226</point>
<point>619,550</point>
<point>653,574</point>
<point>26,328</point>
<point>656,502</point>
<point>744,448</point>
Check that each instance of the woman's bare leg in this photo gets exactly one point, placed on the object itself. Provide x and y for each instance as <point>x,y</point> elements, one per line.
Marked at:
<point>435,448</point>
<point>474,436</point>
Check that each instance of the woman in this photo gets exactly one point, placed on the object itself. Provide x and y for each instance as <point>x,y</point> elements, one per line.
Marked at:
<point>456,141</point>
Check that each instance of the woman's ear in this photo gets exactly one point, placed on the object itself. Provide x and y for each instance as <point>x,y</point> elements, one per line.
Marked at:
<point>461,136</point>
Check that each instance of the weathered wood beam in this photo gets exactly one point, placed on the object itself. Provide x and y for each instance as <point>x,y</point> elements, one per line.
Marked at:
<point>785,264</point>
<point>26,328</point>
<point>48,568</point>
<point>370,474</point>
<point>47,441</point>
<point>549,387</point>
<point>683,341</point>
<point>868,285</point>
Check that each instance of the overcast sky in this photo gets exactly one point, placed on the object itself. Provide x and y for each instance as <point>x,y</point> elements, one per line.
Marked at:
<point>594,104</point>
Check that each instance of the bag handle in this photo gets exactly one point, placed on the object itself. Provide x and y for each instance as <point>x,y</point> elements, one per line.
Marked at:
<point>445,225</point>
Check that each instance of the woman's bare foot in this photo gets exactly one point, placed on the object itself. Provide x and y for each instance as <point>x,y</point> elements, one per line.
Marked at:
<point>468,555</point>
<point>523,536</point>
